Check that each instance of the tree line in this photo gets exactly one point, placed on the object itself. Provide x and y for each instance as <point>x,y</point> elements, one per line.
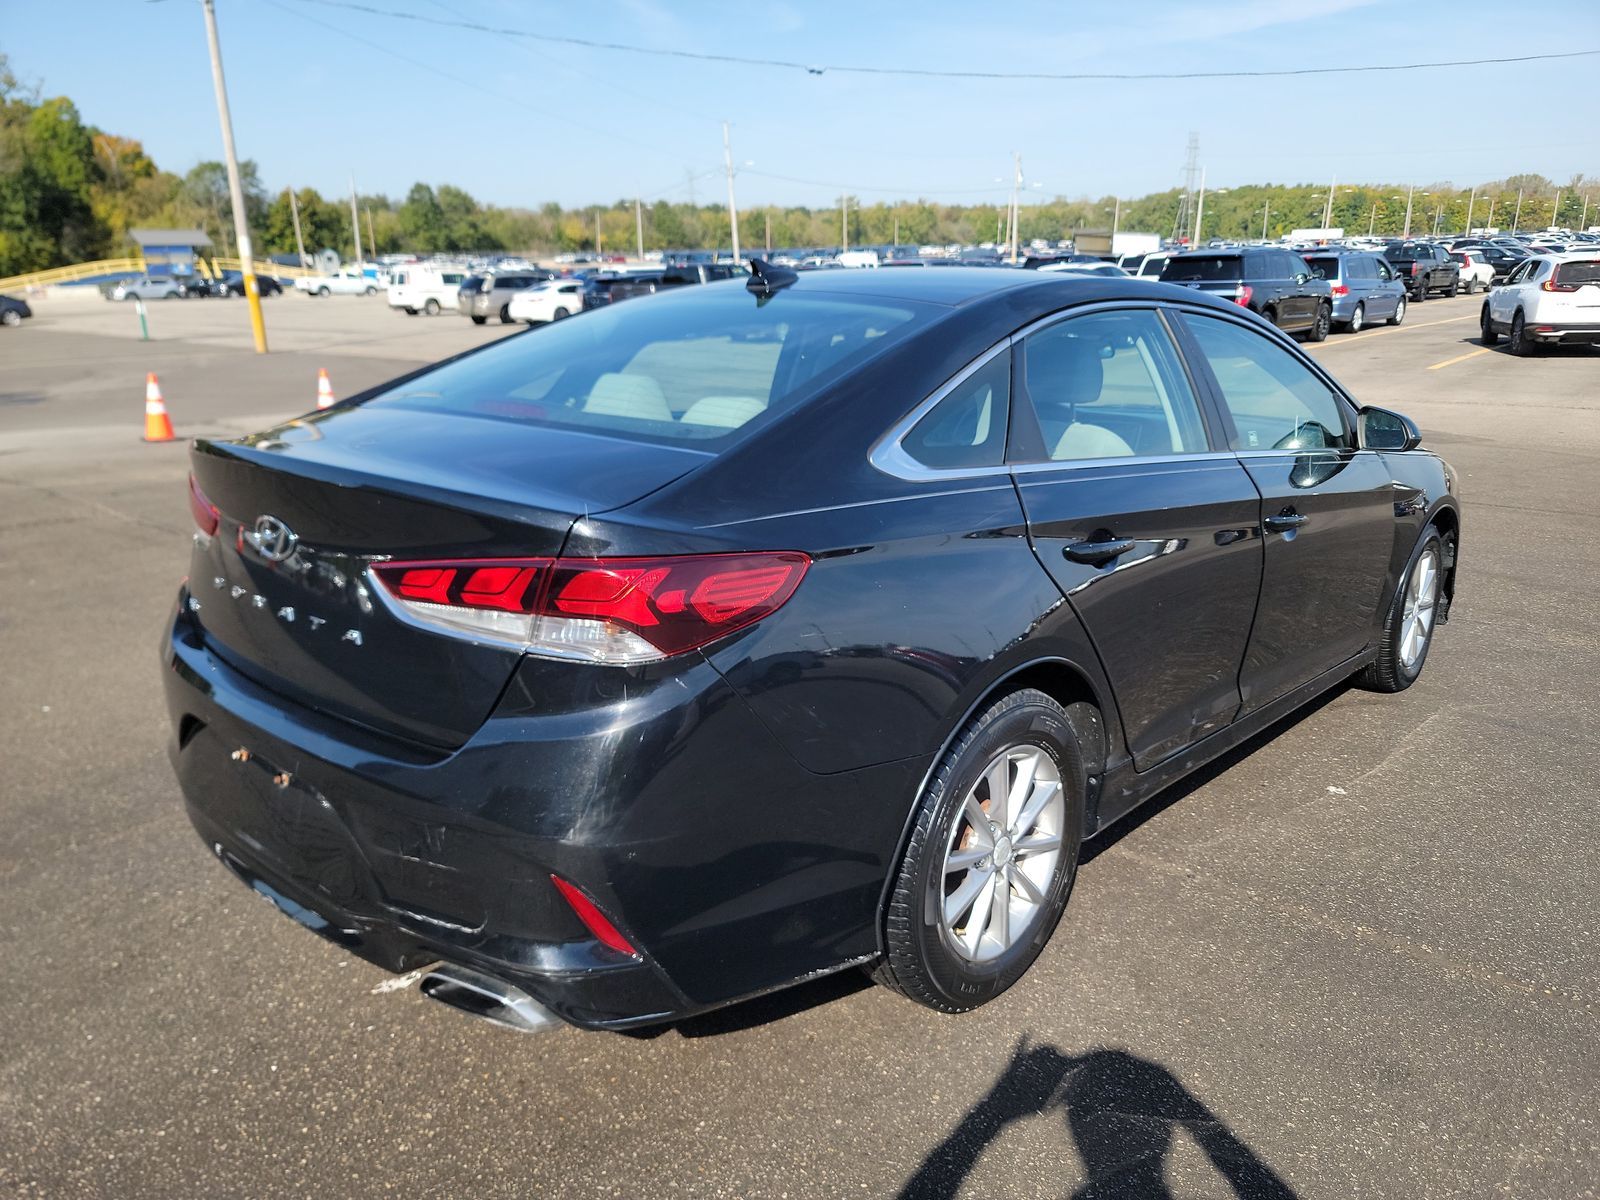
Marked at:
<point>69,192</point>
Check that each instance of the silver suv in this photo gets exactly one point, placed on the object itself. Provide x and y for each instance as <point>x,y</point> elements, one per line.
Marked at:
<point>485,296</point>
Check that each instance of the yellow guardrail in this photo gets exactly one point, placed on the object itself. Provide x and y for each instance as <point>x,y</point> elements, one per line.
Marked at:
<point>73,273</point>
<point>212,268</point>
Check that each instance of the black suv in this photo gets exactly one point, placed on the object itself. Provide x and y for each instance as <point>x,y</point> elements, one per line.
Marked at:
<point>1277,284</point>
<point>1424,267</point>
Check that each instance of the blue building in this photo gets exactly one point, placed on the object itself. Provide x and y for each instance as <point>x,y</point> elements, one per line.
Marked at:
<point>169,251</point>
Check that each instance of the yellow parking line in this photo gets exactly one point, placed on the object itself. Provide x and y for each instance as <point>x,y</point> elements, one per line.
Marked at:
<point>1450,362</point>
<point>1354,339</point>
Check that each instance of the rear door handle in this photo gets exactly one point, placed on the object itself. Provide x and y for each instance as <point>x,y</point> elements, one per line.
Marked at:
<point>1095,553</point>
<point>1284,522</point>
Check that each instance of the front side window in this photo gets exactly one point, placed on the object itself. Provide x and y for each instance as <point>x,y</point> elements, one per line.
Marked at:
<point>1275,400</point>
<point>1110,385</point>
<point>968,427</point>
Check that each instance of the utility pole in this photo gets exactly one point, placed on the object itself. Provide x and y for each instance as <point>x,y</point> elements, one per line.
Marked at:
<point>1191,167</point>
<point>638,223</point>
<point>844,223</point>
<point>1016,203</point>
<point>733,209</point>
<point>1555,213</point>
<point>1199,211</point>
<point>1266,210</point>
<point>355,222</point>
<point>1412,191</point>
<point>1116,220</point>
<point>897,229</point>
<point>299,241</point>
<point>1490,222</point>
<point>768,216</point>
<point>241,221</point>
<point>1372,220</point>
<point>1516,218</point>
<point>1583,221</point>
<point>1327,209</point>
<point>1471,203</point>
<point>599,246</point>
<point>372,241</point>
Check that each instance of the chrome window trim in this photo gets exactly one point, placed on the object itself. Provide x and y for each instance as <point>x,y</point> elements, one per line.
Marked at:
<point>890,457</point>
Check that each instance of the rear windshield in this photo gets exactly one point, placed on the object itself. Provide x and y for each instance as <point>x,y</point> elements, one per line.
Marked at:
<point>1579,273</point>
<point>1401,249</point>
<point>472,283</point>
<point>689,365</point>
<point>1201,268</point>
<point>1324,267</point>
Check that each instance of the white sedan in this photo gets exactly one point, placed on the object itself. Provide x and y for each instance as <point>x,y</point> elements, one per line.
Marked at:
<point>548,301</point>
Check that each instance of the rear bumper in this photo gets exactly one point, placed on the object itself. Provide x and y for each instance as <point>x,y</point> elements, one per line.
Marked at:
<point>716,855</point>
<point>1565,333</point>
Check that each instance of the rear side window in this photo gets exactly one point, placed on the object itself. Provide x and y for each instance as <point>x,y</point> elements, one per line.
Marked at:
<point>1201,268</point>
<point>1275,400</point>
<point>689,366</point>
<point>1109,385</point>
<point>968,427</point>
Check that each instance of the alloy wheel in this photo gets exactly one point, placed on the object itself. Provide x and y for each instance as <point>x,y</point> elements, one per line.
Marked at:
<point>1416,618</point>
<point>1002,853</point>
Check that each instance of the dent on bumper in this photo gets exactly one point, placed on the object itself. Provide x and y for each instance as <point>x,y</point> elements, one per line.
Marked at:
<point>718,855</point>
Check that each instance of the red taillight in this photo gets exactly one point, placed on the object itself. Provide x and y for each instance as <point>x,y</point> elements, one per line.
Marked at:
<point>1553,285</point>
<point>611,610</point>
<point>1243,298</point>
<point>593,919</point>
<point>205,514</point>
<point>1340,289</point>
<point>1413,268</point>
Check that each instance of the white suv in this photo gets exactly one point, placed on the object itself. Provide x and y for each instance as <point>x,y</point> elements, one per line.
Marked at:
<point>1476,271</point>
<point>1551,298</point>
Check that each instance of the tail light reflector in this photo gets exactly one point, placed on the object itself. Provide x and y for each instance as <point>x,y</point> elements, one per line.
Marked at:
<point>593,919</point>
<point>206,516</point>
<point>605,610</point>
<point>1243,298</point>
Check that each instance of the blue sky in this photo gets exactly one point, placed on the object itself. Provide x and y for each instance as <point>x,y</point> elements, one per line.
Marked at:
<point>319,91</point>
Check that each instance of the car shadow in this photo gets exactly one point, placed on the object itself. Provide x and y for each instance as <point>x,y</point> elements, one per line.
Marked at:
<point>1121,1113</point>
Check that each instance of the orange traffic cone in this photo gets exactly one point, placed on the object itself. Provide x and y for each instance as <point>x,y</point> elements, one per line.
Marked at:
<point>157,425</point>
<point>324,389</point>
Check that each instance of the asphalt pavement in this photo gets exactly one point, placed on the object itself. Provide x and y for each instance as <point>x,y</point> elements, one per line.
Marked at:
<point>1356,958</point>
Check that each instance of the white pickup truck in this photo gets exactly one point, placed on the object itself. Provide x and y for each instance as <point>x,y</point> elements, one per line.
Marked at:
<point>347,282</point>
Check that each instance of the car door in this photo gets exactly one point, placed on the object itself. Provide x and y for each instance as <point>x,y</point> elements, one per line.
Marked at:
<point>1327,507</point>
<point>1503,299</point>
<point>1387,292</point>
<point>1148,529</point>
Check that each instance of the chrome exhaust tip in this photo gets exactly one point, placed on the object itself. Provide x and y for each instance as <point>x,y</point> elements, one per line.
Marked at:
<point>487,998</point>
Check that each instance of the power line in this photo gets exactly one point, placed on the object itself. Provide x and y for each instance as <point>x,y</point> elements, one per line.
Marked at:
<point>931,73</point>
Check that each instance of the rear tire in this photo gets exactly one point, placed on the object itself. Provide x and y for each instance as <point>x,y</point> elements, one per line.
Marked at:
<point>1472,286</point>
<point>1399,311</point>
<point>1408,633</point>
<point>1455,287</point>
<point>1270,315</point>
<point>1519,343</point>
<point>479,320</point>
<point>560,314</point>
<point>431,308</point>
<point>934,953</point>
<point>1358,319</point>
<point>1320,326</point>
<point>505,314</point>
<point>1419,293</point>
<point>324,290</point>
<point>1486,333</point>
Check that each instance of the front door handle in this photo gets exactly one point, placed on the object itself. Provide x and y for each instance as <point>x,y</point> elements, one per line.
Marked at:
<point>1284,522</point>
<point>1095,553</point>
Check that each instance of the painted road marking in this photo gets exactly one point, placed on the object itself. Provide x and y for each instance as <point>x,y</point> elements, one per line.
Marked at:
<point>1377,333</point>
<point>1450,362</point>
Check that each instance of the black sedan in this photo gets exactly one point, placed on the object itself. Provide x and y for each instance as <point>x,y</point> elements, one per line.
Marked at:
<point>13,311</point>
<point>232,284</point>
<point>748,632</point>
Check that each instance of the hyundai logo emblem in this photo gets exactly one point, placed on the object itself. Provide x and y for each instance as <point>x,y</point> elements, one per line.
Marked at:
<point>272,539</point>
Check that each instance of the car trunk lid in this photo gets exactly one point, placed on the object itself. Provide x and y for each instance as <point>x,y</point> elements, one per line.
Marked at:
<point>281,589</point>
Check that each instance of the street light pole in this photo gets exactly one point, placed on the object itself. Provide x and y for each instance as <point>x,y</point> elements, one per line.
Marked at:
<point>1516,218</point>
<point>1409,194</point>
<point>1199,211</point>
<point>638,224</point>
<point>299,241</point>
<point>733,210</point>
<point>1266,209</point>
<point>1327,209</point>
<point>241,223</point>
<point>1471,201</point>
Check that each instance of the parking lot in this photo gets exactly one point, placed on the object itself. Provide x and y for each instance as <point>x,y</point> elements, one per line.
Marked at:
<point>1356,958</point>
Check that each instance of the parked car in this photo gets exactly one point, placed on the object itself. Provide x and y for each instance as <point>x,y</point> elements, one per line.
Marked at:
<point>158,287</point>
<point>1150,266</point>
<point>547,667</point>
<point>195,287</point>
<point>1365,288</point>
<point>1552,299</point>
<point>1476,270</point>
<point>1104,270</point>
<point>424,287</point>
<point>485,296</point>
<point>13,311</point>
<point>349,281</point>
<point>553,300</point>
<point>232,284</point>
<point>1424,267</point>
<point>1501,261</point>
<point>1277,284</point>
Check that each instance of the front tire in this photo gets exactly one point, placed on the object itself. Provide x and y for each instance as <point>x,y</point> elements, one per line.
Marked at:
<point>431,308</point>
<point>991,859</point>
<point>559,314</point>
<point>1323,322</point>
<point>505,314</point>
<point>479,320</point>
<point>324,290</point>
<point>1455,286</point>
<point>1408,633</point>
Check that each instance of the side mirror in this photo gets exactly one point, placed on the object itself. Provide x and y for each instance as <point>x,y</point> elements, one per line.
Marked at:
<point>1385,430</point>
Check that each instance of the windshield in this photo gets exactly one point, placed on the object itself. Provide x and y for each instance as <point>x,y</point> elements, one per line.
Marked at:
<point>687,366</point>
<point>1402,249</point>
<point>1201,268</point>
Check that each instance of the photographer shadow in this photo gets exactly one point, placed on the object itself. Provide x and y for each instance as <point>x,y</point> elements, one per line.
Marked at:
<point>1122,1113</point>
